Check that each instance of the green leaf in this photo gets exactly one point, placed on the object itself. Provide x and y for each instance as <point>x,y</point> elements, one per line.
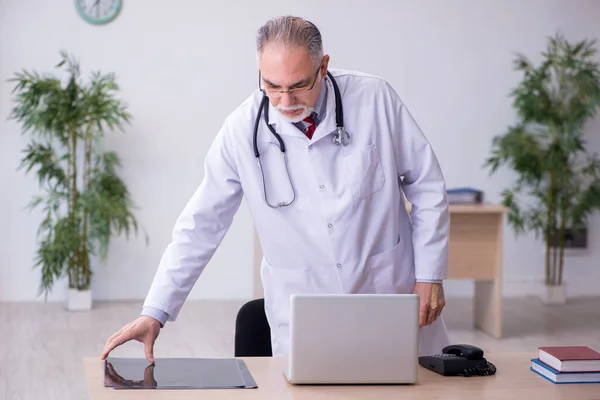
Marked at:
<point>56,249</point>
<point>47,164</point>
<point>109,204</point>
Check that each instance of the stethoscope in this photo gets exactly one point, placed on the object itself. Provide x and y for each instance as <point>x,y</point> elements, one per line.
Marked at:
<point>341,137</point>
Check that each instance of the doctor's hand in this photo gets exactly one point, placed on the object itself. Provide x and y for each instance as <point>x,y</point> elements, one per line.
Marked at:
<point>430,307</point>
<point>144,329</point>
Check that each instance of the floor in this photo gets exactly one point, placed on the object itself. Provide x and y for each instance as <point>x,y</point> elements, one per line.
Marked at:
<point>41,345</point>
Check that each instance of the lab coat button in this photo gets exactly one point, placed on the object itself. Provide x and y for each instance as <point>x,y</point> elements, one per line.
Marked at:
<point>310,147</point>
<point>330,225</point>
<point>339,265</point>
<point>322,187</point>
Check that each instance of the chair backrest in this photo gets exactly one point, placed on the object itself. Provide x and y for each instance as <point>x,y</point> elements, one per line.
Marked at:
<point>252,331</point>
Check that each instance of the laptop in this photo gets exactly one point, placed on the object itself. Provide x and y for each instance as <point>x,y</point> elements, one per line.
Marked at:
<point>353,339</point>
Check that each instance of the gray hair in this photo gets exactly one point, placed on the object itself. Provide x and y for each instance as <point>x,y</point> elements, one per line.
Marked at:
<point>293,32</point>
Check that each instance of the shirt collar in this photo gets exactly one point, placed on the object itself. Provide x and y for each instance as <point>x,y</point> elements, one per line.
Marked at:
<point>321,106</point>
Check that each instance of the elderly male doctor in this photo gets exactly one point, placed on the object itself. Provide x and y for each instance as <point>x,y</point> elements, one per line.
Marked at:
<point>333,220</point>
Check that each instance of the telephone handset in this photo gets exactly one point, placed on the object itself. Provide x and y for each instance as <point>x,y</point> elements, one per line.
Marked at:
<point>459,360</point>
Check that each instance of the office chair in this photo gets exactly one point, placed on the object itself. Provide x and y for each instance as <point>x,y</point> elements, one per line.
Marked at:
<point>252,331</point>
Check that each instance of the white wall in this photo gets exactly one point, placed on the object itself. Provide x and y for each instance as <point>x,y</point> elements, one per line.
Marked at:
<point>185,65</point>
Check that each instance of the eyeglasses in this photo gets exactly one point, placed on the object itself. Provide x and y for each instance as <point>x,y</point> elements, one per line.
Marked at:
<point>296,92</point>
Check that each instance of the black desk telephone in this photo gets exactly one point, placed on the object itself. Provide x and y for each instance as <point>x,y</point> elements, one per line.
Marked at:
<point>459,360</point>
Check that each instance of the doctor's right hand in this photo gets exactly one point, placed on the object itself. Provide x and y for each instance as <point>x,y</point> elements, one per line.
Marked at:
<point>144,329</point>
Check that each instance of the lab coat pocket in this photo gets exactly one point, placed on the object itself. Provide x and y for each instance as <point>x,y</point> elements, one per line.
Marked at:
<point>279,284</point>
<point>364,171</point>
<point>392,270</point>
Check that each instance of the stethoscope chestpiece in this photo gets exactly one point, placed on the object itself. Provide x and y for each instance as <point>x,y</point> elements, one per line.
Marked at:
<point>341,137</point>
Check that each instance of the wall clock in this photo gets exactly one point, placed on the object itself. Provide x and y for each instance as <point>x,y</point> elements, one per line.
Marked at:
<point>98,11</point>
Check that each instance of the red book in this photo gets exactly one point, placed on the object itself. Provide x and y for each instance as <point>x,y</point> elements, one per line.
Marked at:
<point>570,358</point>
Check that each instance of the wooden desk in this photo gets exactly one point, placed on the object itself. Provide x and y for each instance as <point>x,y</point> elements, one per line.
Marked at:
<point>475,253</point>
<point>513,380</point>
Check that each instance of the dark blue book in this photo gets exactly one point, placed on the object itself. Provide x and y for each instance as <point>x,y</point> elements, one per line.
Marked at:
<point>464,195</point>
<point>555,376</point>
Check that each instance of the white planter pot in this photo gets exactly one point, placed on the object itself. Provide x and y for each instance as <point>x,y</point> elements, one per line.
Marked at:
<point>79,300</point>
<point>554,294</point>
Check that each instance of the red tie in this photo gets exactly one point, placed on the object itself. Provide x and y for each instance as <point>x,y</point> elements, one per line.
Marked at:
<point>311,127</point>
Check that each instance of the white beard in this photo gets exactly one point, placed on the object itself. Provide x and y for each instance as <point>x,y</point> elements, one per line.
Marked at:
<point>306,112</point>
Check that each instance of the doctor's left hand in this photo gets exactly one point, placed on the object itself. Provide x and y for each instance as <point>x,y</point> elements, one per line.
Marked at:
<point>430,309</point>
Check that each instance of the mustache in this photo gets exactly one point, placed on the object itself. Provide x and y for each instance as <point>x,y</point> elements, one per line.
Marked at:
<point>292,108</point>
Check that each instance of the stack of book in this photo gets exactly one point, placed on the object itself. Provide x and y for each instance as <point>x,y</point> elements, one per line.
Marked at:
<point>567,364</point>
<point>465,195</point>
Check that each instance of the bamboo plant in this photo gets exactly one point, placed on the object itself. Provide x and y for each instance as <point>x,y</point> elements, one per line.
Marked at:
<point>84,200</point>
<point>558,179</point>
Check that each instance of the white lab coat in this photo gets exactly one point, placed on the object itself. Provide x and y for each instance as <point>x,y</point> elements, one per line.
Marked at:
<point>347,231</point>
